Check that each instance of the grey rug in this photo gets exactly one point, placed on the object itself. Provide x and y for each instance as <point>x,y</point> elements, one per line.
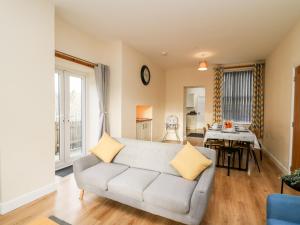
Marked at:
<point>64,172</point>
<point>57,220</point>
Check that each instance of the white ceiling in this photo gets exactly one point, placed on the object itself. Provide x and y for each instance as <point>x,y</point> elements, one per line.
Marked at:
<point>231,31</point>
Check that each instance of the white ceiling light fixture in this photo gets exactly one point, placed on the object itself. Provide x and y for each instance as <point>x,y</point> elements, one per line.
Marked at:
<point>203,66</point>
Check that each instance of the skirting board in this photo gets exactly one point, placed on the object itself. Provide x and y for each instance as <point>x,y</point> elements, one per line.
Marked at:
<point>10,205</point>
<point>281,167</point>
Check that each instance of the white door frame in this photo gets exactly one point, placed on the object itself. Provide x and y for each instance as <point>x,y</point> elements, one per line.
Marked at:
<point>184,137</point>
<point>292,118</point>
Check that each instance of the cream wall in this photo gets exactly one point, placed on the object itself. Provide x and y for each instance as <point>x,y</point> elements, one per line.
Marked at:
<point>70,40</point>
<point>280,66</point>
<point>135,93</point>
<point>126,89</point>
<point>27,101</point>
<point>176,80</point>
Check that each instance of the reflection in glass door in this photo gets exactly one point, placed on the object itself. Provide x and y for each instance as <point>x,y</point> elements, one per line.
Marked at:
<point>69,117</point>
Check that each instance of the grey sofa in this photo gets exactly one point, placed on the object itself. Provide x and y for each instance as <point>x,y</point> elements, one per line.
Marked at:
<point>141,176</point>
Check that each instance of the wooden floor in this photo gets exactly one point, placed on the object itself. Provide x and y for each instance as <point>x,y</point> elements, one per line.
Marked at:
<point>238,199</point>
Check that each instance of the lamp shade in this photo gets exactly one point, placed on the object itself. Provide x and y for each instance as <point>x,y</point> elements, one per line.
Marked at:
<point>202,65</point>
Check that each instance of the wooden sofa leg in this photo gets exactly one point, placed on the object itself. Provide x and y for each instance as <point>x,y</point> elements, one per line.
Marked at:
<point>81,194</point>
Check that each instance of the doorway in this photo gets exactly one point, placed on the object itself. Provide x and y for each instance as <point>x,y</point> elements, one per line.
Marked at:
<point>69,117</point>
<point>296,123</point>
<point>194,114</point>
<point>144,122</point>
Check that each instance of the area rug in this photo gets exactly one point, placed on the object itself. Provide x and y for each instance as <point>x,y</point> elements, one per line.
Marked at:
<point>64,172</point>
<point>52,220</point>
<point>58,221</point>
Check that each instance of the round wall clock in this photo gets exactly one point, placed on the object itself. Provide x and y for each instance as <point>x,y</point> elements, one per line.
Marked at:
<point>145,75</point>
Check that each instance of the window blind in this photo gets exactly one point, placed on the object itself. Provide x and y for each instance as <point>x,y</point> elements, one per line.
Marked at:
<point>237,96</point>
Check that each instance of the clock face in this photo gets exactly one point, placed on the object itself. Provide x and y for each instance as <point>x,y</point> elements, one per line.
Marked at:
<point>145,75</point>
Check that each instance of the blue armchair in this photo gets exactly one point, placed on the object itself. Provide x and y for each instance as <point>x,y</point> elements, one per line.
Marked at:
<point>283,210</point>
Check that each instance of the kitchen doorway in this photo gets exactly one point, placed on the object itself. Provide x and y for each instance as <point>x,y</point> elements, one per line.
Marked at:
<point>194,114</point>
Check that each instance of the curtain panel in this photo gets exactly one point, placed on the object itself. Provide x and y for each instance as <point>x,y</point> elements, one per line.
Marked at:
<point>102,82</point>
<point>257,125</point>
<point>218,84</point>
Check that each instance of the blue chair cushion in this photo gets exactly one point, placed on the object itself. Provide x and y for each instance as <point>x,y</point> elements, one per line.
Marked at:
<point>280,222</point>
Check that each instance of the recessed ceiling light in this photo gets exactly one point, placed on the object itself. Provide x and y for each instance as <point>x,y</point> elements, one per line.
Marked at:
<point>164,53</point>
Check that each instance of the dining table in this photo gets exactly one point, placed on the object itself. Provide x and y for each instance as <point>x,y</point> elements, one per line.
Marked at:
<point>234,135</point>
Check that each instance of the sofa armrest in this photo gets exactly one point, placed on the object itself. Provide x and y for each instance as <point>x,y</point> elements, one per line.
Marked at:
<point>283,207</point>
<point>201,194</point>
<point>85,162</point>
<point>82,164</point>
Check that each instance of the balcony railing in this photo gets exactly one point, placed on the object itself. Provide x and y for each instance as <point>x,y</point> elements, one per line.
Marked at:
<point>75,136</point>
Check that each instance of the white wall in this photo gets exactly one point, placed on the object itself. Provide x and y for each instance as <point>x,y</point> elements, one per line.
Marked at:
<point>126,89</point>
<point>70,40</point>
<point>135,93</point>
<point>280,66</point>
<point>176,80</point>
<point>27,101</point>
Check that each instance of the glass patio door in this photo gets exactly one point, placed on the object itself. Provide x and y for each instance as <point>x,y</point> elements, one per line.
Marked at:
<point>69,117</point>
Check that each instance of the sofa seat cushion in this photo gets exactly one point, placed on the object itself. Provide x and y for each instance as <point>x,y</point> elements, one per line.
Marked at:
<point>170,192</point>
<point>280,222</point>
<point>99,175</point>
<point>132,182</point>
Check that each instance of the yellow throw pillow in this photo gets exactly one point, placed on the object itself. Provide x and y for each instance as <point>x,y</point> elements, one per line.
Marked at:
<point>189,162</point>
<point>107,148</point>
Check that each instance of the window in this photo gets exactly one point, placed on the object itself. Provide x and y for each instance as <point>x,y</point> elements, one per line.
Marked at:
<point>237,96</point>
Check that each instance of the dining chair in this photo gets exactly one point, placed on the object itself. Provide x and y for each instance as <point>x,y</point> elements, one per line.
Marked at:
<point>215,144</point>
<point>244,146</point>
<point>231,151</point>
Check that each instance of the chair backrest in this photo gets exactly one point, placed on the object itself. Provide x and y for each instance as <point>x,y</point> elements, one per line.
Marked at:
<point>172,120</point>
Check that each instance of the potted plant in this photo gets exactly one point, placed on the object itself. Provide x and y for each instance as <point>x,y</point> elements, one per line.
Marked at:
<point>293,180</point>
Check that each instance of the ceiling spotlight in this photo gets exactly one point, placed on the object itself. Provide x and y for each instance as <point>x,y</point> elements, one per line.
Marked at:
<point>164,53</point>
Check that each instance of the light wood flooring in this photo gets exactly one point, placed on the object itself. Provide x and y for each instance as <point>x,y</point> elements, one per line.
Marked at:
<point>236,200</point>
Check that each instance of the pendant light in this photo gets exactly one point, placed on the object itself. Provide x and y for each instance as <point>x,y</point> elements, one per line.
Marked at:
<point>203,65</point>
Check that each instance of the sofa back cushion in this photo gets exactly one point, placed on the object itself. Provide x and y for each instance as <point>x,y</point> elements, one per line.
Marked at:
<point>148,155</point>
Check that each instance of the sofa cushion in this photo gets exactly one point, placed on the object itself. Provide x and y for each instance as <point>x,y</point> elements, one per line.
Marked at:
<point>190,162</point>
<point>132,182</point>
<point>148,155</point>
<point>99,175</point>
<point>152,155</point>
<point>107,148</point>
<point>280,222</point>
<point>170,192</point>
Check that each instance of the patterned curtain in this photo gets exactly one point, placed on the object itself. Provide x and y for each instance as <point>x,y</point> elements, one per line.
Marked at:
<point>257,125</point>
<point>218,83</point>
